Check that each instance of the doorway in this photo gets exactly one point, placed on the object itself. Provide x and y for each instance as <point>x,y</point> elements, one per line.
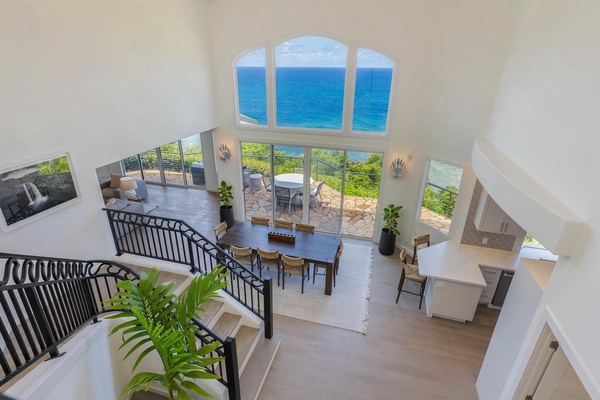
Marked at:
<point>549,373</point>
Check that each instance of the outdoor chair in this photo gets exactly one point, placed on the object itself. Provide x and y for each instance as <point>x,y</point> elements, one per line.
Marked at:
<point>316,192</point>
<point>410,272</point>
<point>266,178</point>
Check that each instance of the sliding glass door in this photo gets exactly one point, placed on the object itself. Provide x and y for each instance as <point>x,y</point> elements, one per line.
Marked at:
<point>337,195</point>
<point>178,163</point>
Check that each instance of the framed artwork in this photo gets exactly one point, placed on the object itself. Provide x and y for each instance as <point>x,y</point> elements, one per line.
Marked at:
<point>31,190</point>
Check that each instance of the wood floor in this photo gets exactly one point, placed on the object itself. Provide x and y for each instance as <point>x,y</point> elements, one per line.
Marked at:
<point>404,355</point>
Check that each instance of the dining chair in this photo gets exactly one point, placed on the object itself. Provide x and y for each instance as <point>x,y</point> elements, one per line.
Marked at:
<point>269,259</point>
<point>266,178</point>
<point>222,227</point>
<point>305,228</point>
<point>280,223</point>
<point>316,192</point>
<point>294,266</point>
<point>420,242</point>
<point>410,272</point>
<point>243,255</point>
<point>260,221</point>
<point>336,264</point>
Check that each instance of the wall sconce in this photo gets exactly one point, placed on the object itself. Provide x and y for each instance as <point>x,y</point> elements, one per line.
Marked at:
<point>224,152</point>
<point>398,168</point>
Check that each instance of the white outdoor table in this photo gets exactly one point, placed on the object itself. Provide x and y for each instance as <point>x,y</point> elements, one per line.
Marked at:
<point>293,182</point>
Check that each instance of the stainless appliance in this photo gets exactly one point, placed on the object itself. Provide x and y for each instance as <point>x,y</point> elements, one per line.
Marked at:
<point>502,290</point>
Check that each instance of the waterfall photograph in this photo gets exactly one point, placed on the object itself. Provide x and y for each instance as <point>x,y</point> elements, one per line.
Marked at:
<point>35,188</point>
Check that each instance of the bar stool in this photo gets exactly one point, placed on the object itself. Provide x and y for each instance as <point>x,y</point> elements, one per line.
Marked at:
<point>420,242</point>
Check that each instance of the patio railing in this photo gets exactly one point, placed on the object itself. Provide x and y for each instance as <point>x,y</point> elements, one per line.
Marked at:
<point>448,208</point>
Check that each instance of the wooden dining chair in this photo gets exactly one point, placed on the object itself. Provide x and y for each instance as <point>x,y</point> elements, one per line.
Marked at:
<point>281,223</point>
<point>222,227</point>
<point>243,255</point>
<point>268,259</point>
<point>305,228</point>
<point>294,266</point>
<point>261,221</point>
<point>336,264</point>
<point>420,242</point>
<point>410,272</point>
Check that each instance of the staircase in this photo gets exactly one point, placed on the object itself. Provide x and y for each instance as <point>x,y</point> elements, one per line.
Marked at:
<point>226,318</point>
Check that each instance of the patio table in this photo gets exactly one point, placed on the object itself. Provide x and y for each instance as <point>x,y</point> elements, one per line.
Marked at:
<point>293,182</point>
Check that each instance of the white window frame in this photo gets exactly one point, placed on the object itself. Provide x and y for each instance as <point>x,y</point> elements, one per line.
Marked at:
<point>349,89</point>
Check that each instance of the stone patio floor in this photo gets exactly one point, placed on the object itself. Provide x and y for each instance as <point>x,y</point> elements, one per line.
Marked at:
<point>358,218</point>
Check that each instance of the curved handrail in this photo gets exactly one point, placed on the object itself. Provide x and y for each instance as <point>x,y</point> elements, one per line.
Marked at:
<point>174,240</point>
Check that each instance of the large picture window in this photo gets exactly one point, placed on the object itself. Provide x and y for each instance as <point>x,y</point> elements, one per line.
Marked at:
<point>319,84</point>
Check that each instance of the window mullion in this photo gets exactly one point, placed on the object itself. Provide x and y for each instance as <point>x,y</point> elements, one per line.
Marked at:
<point>271,87</point>
<point>349,87</point>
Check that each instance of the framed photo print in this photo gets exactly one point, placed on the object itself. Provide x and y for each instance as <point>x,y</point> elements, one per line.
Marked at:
<point>31,190</point>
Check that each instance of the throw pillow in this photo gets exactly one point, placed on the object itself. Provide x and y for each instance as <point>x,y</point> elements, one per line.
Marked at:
<point>115,181</point>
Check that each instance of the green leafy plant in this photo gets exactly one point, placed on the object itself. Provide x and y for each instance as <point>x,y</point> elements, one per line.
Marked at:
<point>225,194</point>
<point>390,216</point>
<point>158,321</point>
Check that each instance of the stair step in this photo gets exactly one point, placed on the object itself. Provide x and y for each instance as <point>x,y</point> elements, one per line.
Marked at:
<point>226,324</point>
<point>255,371</point>
<point>244,338</point>
<point>211,308</point>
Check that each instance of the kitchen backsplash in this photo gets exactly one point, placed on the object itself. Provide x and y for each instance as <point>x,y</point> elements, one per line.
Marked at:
<point>474,237</point>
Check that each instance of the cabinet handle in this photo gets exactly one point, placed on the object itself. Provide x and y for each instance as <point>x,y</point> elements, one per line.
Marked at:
<point>505,226</point>
<point>502,227</point>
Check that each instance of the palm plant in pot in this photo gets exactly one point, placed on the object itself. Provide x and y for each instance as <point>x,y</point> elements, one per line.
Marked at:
<point>156,321</point>
<point>226,209</point>
<point>387,241</point>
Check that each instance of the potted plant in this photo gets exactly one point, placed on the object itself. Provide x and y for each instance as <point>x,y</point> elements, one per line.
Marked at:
<point>158,321</point>
<point>387,241</point>
<point>226,209</point>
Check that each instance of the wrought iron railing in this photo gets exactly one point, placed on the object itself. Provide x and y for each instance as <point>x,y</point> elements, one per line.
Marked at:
<point>175,241</point>
<point>44,301</point>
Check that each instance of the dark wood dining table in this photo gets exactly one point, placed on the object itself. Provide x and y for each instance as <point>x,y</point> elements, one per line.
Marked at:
<point>314,247</point>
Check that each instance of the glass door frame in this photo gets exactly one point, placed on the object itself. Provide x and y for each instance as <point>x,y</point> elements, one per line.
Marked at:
<point>161,170</point>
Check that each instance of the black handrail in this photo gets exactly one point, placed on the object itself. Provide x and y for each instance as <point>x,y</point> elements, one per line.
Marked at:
<point>45,300</point>
<point>448,208</point>
<point>175,241</point>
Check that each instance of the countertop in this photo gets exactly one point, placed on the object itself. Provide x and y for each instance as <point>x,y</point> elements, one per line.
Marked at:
<point>455,262</point>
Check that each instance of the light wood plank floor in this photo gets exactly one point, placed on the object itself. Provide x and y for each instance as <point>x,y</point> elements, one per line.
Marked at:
<point>405,354</point>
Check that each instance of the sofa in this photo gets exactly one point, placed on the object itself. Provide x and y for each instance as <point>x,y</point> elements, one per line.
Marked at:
<point>110,188</point>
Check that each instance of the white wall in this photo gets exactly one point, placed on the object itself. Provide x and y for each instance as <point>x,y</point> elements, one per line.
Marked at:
<point>546,120</point>
<point>102,79</point>
<point>450,56</point>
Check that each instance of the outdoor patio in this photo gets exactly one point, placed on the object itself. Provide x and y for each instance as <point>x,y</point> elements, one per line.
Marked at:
<point>358,216</point>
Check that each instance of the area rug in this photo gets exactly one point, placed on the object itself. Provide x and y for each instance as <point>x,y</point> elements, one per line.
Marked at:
<point>348,305</point>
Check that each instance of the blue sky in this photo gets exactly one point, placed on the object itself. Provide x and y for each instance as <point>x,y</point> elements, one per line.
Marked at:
<point>314,51</point>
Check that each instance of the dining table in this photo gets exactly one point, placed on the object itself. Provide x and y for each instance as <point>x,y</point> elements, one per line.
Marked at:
<point>313,247</point>
<point>293,182</point>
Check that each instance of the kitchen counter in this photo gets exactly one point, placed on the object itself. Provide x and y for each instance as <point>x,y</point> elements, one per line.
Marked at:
<point>460,263</point>
<point>455,280</point>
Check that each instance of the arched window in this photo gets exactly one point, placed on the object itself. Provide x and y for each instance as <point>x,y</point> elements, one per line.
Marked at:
<point>320,85</point>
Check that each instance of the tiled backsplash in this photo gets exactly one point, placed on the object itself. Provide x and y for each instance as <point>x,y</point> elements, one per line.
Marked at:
<point>474,237</point>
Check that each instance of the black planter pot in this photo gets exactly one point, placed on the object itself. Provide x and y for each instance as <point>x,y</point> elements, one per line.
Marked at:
<point>387,242</point>
<point>226,213</point>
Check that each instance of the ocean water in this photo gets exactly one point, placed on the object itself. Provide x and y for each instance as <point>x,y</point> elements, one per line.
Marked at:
<point>314,97</point>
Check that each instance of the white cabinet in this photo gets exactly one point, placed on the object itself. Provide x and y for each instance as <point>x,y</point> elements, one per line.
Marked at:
<point>491,218</point>
<point>492,277</point>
